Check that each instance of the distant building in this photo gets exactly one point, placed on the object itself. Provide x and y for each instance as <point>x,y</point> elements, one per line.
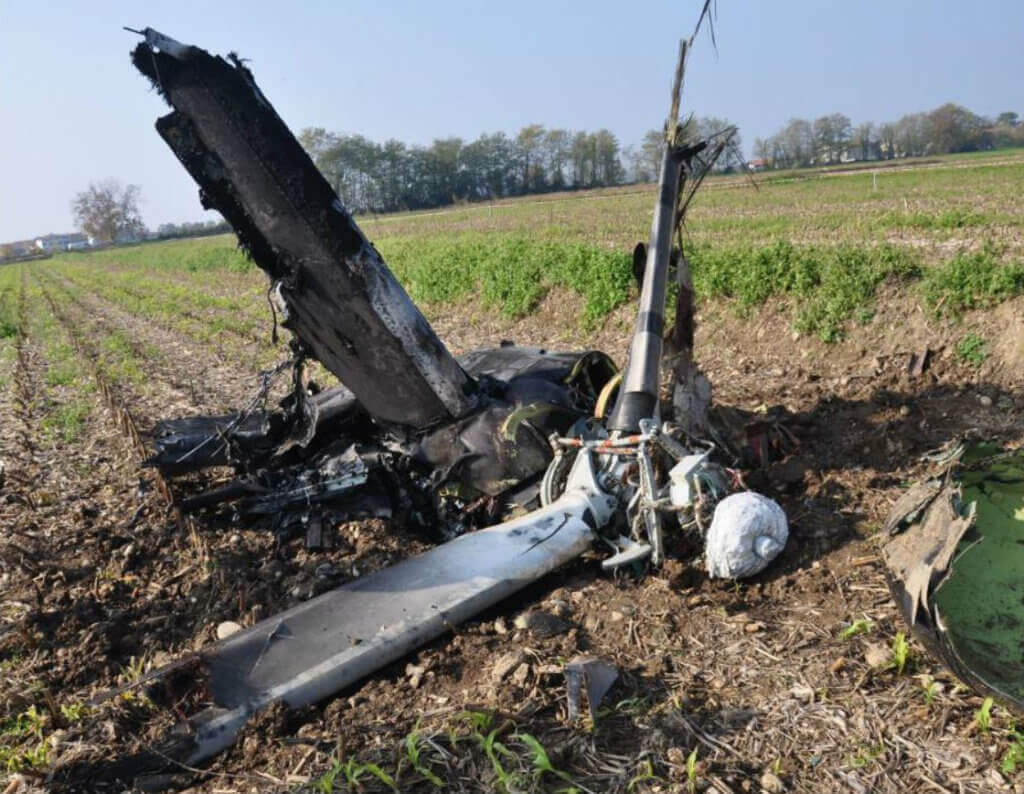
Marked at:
<point>758,164</point>
<point>64,242</point>
<point>20,247</point>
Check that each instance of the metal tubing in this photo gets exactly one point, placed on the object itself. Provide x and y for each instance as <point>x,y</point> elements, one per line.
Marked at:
<point>638,395</point>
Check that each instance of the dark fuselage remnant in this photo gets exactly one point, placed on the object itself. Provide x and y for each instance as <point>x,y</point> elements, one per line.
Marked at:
<point>481,425</point>
<point>337,295</point>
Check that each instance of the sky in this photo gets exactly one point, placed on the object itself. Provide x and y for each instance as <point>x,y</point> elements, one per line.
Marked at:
<point>73,110</point>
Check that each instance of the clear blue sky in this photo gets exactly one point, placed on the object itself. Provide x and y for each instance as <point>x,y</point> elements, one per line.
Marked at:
<point>73,110</point>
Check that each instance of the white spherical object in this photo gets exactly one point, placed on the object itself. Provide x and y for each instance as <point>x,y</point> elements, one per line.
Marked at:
<point>747,532</point>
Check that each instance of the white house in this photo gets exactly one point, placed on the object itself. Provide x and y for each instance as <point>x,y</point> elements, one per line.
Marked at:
<point>64,242</point>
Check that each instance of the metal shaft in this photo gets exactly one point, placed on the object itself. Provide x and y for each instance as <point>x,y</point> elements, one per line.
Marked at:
<point>638,395</point>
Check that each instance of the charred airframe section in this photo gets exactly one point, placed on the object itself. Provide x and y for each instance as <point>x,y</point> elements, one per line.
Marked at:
<point>430,420</point>
<point>413,433</point>
<point>334,290</point>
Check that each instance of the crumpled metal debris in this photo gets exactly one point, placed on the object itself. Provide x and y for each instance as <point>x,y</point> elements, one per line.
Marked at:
<point>747,532</point>
<point>587,673</point>
<point>954,565</point>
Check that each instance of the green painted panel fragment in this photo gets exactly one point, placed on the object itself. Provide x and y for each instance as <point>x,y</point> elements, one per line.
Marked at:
<point>981,602</point>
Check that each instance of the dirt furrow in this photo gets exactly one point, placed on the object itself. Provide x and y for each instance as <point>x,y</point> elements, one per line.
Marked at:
<point>24,391</point>
<point>117,397</point>
<point>101,524</point>
<point>19,399</point>
<point>217,284</point>
<point>211,386</point>
<point>243,352</point>
<point>117,283</point>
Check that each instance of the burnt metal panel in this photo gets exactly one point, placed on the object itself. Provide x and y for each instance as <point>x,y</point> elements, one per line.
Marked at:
<point>338,296</point>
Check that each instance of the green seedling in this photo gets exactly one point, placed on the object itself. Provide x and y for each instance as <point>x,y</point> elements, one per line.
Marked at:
<point>859,626</point>
<point>691,770</point>
<point>983,716</point>
<point>900,652</point>
<point>325,783</point>
<point>414,744</point>
<point>1014,755</point>
<point>540,760</point>
<point>646,774</point>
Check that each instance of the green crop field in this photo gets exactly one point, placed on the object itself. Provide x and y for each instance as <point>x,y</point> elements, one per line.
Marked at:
<point>824,242</point>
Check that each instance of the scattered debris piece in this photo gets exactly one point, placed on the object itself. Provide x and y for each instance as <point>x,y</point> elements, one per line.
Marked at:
<point>747,532</point>
<point>954,567</point>
<point>877,656</point>
<point>772,783</point>
<point>505,664</point>
<point>590,675</point>
<point>542,623</point>
<point>226,629</point>
<point>918,363</point>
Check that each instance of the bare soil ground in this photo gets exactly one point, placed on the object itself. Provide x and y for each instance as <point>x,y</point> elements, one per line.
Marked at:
<point>723,687</point>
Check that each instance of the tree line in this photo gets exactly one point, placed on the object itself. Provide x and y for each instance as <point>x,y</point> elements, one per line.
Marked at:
<point>833,138</point>
<point>389,176</point>
<point>171,231</point>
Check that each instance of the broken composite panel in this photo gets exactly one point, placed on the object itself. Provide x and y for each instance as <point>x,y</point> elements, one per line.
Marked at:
<point>554,451</point>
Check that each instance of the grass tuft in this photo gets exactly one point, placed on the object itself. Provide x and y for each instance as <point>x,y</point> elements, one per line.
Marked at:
<point>971,350</point>
<point>975,280</point>
<point>983,716</point>
<point>900,652</point>
<point>827,285</point>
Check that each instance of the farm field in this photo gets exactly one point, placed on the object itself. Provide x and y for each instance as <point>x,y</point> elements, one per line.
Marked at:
<point>813,292</point>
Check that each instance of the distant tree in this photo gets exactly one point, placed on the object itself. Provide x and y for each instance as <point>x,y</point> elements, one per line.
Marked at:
<point>711,127</point>
<point>109,211</point>
<point>528,150</point>
<point>831,137</point>
<point>167,231</point>
<point>652,148</point>
<point>500,159</point>
<point>911,138</point>
<point>953,128</point>
<point>864,142</point>
<point>887,140</point>
<point>795,144</point>
<point>580,152</point>
<point>607,166</point>
<point>763,149</point>
<point>394,174</point>
<point>1007,131</point>
<point>557,147</point>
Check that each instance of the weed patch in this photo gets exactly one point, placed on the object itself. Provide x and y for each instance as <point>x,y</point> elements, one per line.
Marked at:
<point>828,285</point>
<point>955,218</point>
<point>971,350</point>
<point>511,273</point>
<point>974,280</point>
<point>67,421</point>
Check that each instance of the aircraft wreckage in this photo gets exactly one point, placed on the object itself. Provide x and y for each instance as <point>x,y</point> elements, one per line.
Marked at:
<point>549,452</point>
